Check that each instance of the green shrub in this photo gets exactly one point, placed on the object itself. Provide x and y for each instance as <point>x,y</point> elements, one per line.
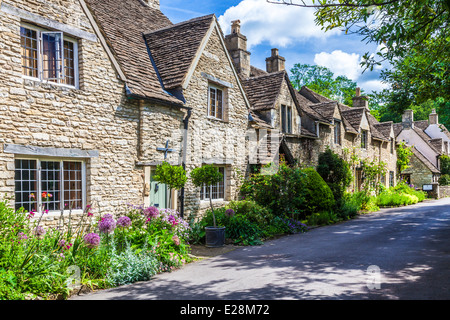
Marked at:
<point>249,224</point>
<point>400,195</point>
<point>292,192</point>
<point>321,218</point>
<point>349,206</point>
<point>336,172</point>
<point>444,180</point>
<point>318,195</point>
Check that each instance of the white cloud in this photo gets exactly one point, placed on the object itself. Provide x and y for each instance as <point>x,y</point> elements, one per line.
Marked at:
<point>373,85</point>
<point>341,63</point>
<point>278,25</point>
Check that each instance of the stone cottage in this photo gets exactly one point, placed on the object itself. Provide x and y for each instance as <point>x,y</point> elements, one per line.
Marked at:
<point>94,94</point>
<point>429,141</point>
<point>304,122</point>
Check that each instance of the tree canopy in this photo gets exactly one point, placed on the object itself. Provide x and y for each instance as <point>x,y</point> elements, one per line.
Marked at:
<point>323,81</point>
<point>414,37</point>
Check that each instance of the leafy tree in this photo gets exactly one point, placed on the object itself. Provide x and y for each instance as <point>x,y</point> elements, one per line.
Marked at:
<point>173,176</point>
<point>414,36</point>
<point>206,176</point>
<point>323,81</point>
<point>445,164</point>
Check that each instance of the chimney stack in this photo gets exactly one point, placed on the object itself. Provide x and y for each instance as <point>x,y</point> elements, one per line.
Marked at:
<point>275,63</point>
<point>153,4</point>
<point>236,44</point>
<point>360,101</point>
<point>408,119</point>
<point>434,118</point>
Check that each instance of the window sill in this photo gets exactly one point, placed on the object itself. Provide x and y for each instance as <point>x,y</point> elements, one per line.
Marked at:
<point>216,119</point>
<point>57,214</point>
<point>66,86</point>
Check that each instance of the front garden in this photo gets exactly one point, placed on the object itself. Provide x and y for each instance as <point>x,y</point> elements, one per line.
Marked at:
<point>52,263</point>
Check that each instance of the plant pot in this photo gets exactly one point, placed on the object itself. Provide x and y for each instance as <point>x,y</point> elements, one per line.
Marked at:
<point>215,237</point>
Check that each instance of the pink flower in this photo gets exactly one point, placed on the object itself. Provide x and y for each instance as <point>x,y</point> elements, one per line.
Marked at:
<point>176,240</point>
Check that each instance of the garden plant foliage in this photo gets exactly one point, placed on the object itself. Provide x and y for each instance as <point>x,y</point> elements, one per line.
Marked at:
<point>49,263</point>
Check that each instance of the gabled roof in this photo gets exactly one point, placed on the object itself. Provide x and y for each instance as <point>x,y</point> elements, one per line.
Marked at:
<point>354,117</point>
<point>385,128</point>
<point>305,105</point>
<point>376,134</point>
<point>122,24</point>
<point>424,160</point>
<point>263,91</point>
<point>314,97</point>
<point>326,109</point>
<point>174,48</point>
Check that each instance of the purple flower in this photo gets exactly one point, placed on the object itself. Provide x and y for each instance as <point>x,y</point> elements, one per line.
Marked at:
<point>62,243</point>
<point>124,222</point>
<point>39,231</point>
<point>229,213</point>
<point>22,236</point>
<point>107,224</point>
<point>151,212</point>
<point>92,240</point>
<point>173,220</point>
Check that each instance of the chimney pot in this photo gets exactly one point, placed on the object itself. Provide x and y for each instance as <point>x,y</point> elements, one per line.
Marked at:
<point>275,63</point>
<point>236,26</point>
<point>236,44</point>
<point>434,118</point>
<point>358,92</point>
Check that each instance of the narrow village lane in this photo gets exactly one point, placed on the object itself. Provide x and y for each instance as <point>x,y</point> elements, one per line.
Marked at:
<point>398,253</point>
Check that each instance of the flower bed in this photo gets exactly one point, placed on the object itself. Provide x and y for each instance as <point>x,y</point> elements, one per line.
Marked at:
<point>45,262</point>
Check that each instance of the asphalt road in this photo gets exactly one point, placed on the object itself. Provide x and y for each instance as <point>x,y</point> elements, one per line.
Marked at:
<point>399,253</point>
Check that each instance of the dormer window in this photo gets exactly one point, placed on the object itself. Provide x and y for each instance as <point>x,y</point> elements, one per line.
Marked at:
<point>49,56</point>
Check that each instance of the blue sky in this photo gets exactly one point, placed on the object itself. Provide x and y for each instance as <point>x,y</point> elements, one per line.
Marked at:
<point>290,29</point>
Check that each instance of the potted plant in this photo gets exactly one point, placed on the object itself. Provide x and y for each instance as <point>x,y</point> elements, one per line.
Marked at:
<point>209,175</point>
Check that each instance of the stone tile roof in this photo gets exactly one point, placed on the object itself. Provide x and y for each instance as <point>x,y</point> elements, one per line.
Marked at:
<point>425,161</point>
<point>312,96</point>
<point>354,116</point>
<point>326,109</point>
<point>256,72</point>
<point>348,127</point>
<point>173,48</point>
<point>373,127</point>
<point>305,105</point>
<point>385,128</point>
<point>423,124</point>
<point>258,120</point>
<point>123,24</point>
<point>263,91</point>
<point>398,127</point>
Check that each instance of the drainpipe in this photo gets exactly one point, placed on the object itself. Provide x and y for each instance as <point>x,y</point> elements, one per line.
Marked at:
<point>186,128</point>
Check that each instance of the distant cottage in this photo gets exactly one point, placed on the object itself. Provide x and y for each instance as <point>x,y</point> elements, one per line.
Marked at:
<point>94,94</point>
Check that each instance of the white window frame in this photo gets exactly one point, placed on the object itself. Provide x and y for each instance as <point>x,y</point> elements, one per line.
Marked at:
<point>39,182</point>
<point>40,31</point>
<point>211,86</point>
<point>224,181</point>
